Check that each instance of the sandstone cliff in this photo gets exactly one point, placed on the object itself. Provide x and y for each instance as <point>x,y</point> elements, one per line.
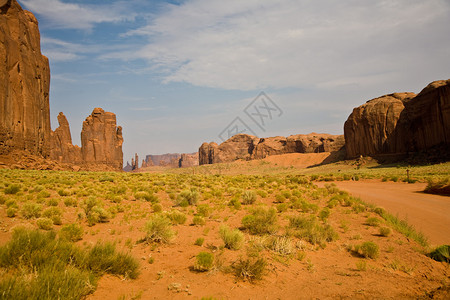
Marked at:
<point>62,149</point>
<point>24,83</point>
<point>188,160</point>
<point>248,147</point>
<point>400,123</point>
<point>101,140</point>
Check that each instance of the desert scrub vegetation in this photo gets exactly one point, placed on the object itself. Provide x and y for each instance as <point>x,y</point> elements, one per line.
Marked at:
<point>187,197</point>
<point>232,238</point>
<point>158,229</point>
<point>250,269</point>
<point>41,266</point>
<point>441,253</point>
<point>439,187</point>
<point>204,261</point>
<point>368,250</point>
<point>309,228</point>
<point>261,221</point>
<point>248,197</point>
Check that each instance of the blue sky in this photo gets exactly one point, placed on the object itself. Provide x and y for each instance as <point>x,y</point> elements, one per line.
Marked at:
<point>176,73</point>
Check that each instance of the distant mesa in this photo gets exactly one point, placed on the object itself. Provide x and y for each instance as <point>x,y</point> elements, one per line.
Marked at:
<point>248,147</point>
<point>400,123</point>
<point>26,138</point>
<point>168,160</point>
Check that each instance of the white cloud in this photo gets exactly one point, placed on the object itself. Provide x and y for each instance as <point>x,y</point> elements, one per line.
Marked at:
<point>69,15</point>
<point>253,44</point>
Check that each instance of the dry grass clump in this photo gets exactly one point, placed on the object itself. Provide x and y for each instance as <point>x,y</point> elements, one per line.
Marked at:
<point>309,229</point>
<point>261,221</point>
<point>249,269</point>
<point>440,187</point>
<point>158,229</point>
<point>232,238</point>
<point>41,266</point>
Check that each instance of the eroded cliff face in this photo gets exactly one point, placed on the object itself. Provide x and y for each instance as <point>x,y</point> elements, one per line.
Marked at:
<point>24,83</point>
<point>400,123</point>
<point>248,147</point>
<point>101,140</point>
<point>62,149</point>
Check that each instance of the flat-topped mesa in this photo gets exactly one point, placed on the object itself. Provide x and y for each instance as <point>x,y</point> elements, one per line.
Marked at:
<point>101,140</point>
<point>248,147</point>
<point>62,149</point>
<point>24,83</point>
<point>188,160</point>
<point>400,123</point>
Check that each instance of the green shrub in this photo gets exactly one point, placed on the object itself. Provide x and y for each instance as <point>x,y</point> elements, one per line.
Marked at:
<point>98,215</point>
<point>54,213</point>
<point>369,250</point>
<point>103,258</point>
<point>40,266</point>
<point>282,207</point>
<point>156,208</point>
<point>143,195</point>
<point>12,189</point>
<point>232,238</point>
<point>52,202</point>
<point>71,232</point>
<point>187,197</point>
<point>44,223</point>
<point>324,214</point>
<point>441,187</point>
<point>31,210</point>
<point>309,229</point>
<point>64,193</point>
<point>70,202</point>
<point>261,221</point>
<point>11,212</point>
<point>249,197</point>
<point>250,270</point>
<point>372,221</point>
<point>43,194</point>
<point>204,210</point>
<point>385,231</point>
<point>159,229</point>
<point>176,217</point>
<point>235,203</point>
<point>441,253</point>
<point>199,241</point>
<point>198,220</point>
<point>204,262</point>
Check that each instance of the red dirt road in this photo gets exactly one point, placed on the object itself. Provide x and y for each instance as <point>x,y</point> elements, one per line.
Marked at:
<point>429,214</point>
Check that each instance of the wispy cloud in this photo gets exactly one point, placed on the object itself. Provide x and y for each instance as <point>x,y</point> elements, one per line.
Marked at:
<point>253,44</point>
<point>60,14</point>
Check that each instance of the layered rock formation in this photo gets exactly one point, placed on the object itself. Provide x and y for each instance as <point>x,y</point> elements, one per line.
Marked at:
<point>248,147</point>
<point>62,149</point>
<point>165,160</point>
<point>188,160</point>
<point>24,84</point>
<point>400,123</point>
<point>101,140</point>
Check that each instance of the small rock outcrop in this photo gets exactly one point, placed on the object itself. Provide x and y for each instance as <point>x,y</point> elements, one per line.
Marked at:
<point>248,147</point>
<point>24,84</point>
<point>400,123</point>
<point>101,140</point>
<point>62,149</point>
